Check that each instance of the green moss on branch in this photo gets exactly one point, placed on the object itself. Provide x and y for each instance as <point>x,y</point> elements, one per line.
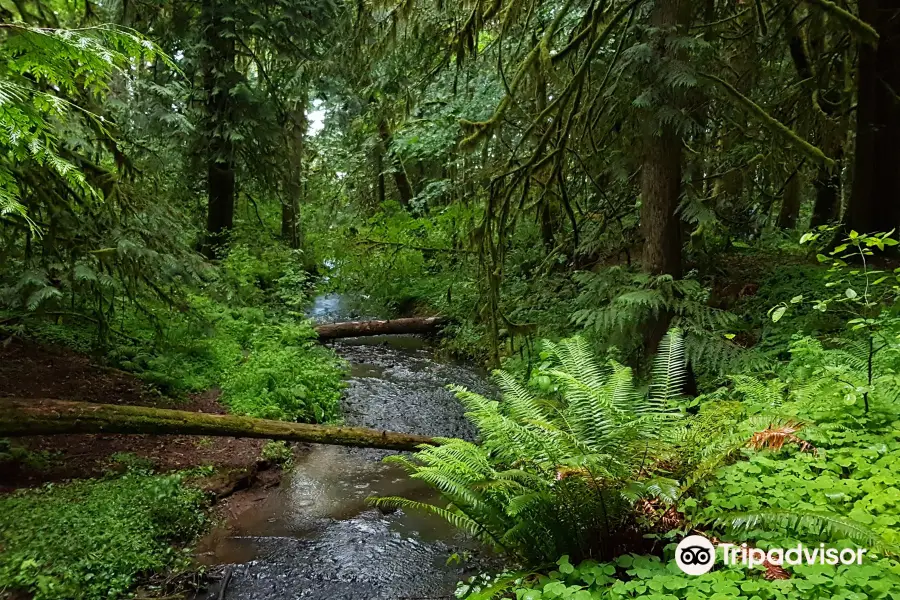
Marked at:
<point>21,417</point>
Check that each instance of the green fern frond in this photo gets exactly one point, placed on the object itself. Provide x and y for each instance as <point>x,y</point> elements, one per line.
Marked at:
<point>520,403</point>
<point>458,520</point>
<point>567,456</point>
<point>666,490</point>
<point>669,369</point>
<point>818,524</point>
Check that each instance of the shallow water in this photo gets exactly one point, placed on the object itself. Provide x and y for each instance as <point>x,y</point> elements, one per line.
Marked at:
<point>315,537</point>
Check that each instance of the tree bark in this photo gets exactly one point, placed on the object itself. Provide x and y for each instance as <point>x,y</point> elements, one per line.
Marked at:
<point>662,166</point>
<point>875,198</point>
<point>290,232</point>
<point>217,64</point>
<point>661,174</point>
<point>660,194</point>
<point>379,169</point>
<point>24,417</point>
<point>830,132</point>
<point>290,208</point>
<point>828,187</point>
<point>404,189</point>
<point>790,203</point>
<point>347,329</point>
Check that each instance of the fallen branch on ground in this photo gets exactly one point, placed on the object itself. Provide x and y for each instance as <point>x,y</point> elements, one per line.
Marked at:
<point>347,329</point>
<point>23,417</point>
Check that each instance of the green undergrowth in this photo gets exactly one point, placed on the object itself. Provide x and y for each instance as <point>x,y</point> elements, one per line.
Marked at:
<point>854,473</point>
<point>801,449</point>
<point>407,263</point>
<point>243,332</point>
<point>837,481</point>
<point>268,365</point>
<point>96,538</point>
<point>653,578</point>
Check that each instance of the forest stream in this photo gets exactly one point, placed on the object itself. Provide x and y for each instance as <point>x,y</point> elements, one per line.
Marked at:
<point>316,537</point>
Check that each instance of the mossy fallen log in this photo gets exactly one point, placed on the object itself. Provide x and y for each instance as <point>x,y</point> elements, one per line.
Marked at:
<point>22,417</point>
<point>347,329</point>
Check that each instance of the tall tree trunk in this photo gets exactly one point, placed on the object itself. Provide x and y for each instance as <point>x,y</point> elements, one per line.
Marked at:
<point>290,209</point>
<point>217,63</point>
<point>547,226</point>
<point>662,167</point>
<point>828,189</point>
<point>790,202</point>
<point>830,132</point>
<point>660,193</point>
<point>404,189</point>
<point>379,169</point>
<point>661,176</point>
<point>875,198</point>
<point>290,233</point>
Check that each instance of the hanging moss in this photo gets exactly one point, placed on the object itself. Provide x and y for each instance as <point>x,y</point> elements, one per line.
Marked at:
<point>540,54</point>
<point>773,124</point>
<point>859,27</point>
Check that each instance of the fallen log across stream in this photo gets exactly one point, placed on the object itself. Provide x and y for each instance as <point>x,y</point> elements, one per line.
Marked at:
<point>347,329</point>
<point>24,417</point>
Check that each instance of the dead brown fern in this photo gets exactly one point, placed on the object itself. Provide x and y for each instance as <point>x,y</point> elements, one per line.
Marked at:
<point>776,436</point>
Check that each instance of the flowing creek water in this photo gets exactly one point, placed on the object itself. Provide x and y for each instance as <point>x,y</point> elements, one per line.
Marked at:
<point>315,537</point>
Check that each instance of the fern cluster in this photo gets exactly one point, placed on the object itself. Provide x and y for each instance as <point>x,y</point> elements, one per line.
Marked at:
<point>617,304</point>
<point>557,473</point>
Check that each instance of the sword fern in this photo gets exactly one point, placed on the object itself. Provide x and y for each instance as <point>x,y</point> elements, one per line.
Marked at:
<point>555,473</point>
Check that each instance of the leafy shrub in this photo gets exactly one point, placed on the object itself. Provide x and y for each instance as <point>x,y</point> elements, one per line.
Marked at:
<point>852,474</point>
<point>616,305</point>
<point>557,471</point>
<point>292,383</point>
<point>267,365</point>
<point>264,271</point>
<point>15,454</point>
<point>95,538</point>
<point>279,452</point>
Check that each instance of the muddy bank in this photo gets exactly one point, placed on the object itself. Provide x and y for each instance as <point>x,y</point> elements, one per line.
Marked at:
<point>31,370</point>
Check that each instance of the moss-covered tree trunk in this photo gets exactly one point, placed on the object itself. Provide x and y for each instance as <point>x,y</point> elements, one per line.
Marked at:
<point>824,100</point>
<point>24,417</point>
<point>828,191</point>
<point>347,329</point>
<point>790,202</point>
<point>875,199</point>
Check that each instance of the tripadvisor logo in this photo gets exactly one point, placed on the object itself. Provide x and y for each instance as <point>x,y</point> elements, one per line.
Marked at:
<point>696,555</point>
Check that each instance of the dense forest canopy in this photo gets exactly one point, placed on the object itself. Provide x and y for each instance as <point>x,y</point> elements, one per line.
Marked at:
<point>522,138</point>
<point>671,223</point>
